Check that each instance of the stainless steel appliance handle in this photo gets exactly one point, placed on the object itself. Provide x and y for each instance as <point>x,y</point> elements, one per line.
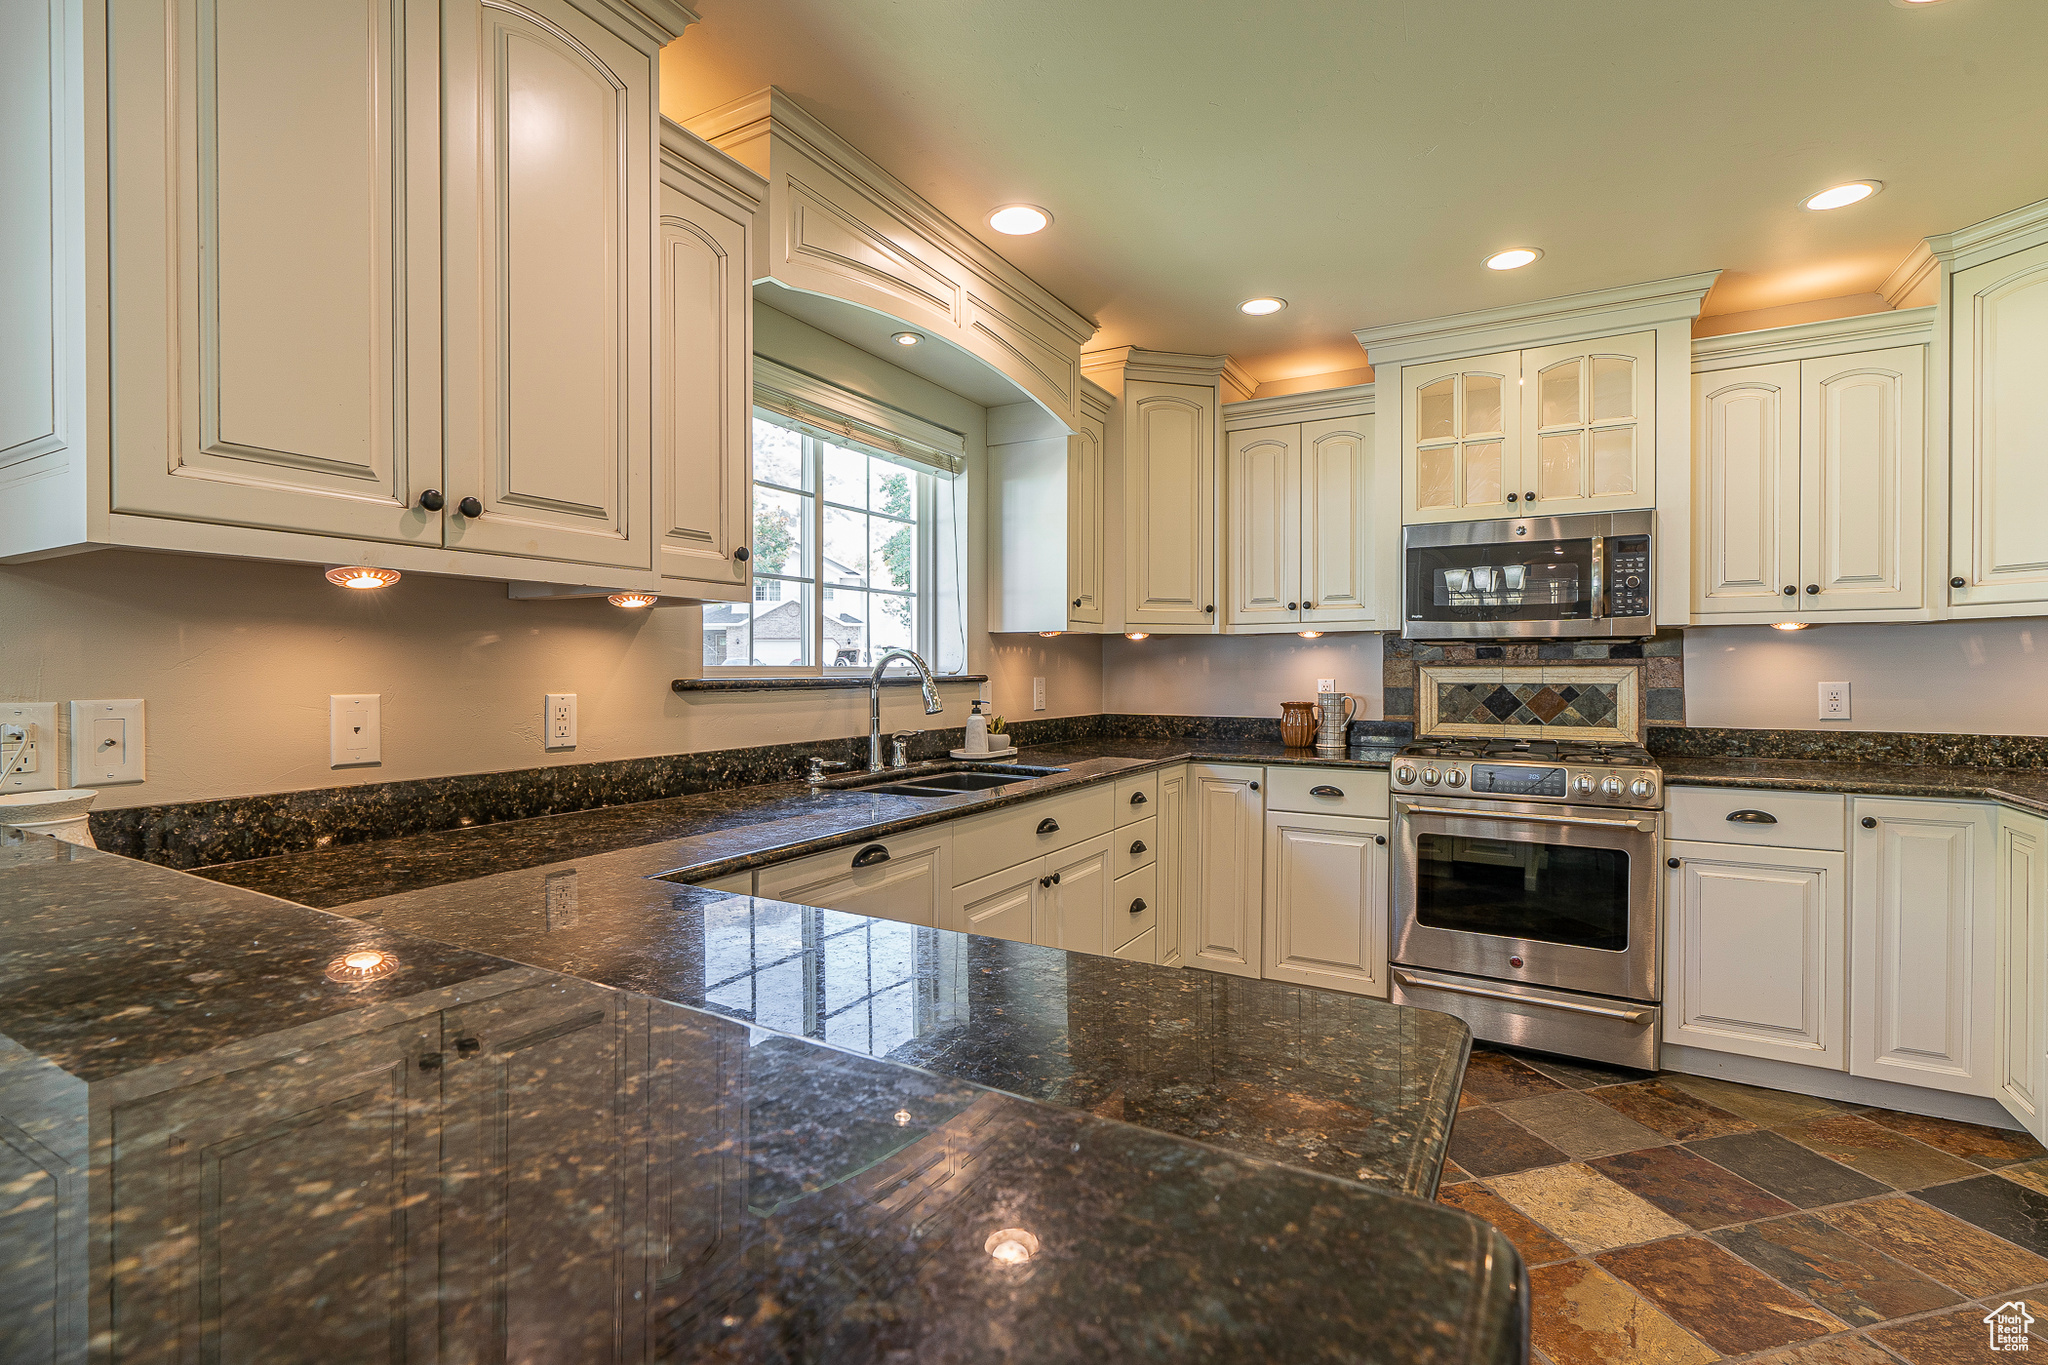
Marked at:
<point>1430,983</point>
<point>1599,603</point>
<point>1537,819</point>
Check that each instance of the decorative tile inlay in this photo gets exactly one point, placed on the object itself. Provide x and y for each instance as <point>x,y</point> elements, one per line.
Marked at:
<point>1585,702</point>
<point>1659,665</point>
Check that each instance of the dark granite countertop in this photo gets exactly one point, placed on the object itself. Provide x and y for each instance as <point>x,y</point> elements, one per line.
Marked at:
<point>1337,1083</point>
<point>716,833</point>
<point>609,1175</point>
<point>2023,788</point>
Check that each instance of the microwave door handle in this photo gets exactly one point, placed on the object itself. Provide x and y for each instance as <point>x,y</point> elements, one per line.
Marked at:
<point>1598,607</point>
<point>1510,818</point>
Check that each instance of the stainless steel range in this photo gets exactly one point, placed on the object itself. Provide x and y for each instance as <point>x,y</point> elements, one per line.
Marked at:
<point>1525,892</point>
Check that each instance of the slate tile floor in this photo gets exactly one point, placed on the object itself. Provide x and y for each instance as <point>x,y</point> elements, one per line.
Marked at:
<point>1670,1219</point>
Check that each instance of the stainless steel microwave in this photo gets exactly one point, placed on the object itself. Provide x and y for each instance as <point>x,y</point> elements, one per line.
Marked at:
<point>1528,578</point>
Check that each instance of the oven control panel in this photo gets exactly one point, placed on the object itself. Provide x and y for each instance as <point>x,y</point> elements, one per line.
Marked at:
<point>1628,576</point>
<point>1516,779</point>
<point>1581,786</point>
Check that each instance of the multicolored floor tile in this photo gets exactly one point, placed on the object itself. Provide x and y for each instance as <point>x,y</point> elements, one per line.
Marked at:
<point>1878,1152</point>
<point>1731,1306</point>
<point>1537,1246</point>
<point>1675,1113</point>
<point>1495,1077</point>
<point>1835,1351</point>
<point>1989,1147</point>
<point>1965,1258</point>
<point>1798,1175</point>
<point>1488,1142</point>
<point>1581,1315</point>
<point>1851,1279</point>
<point>1766,1108</point>
<point>1960,1338</point>
<point>2000,1207</point>
<point>1585,1208</point>
<point>1579,1125</point>
<point>1689,1187</point>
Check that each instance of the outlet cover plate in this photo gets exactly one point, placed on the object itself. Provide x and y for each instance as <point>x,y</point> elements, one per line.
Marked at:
<point>558,720</point>
<point>1834,701</point>
<point>36,720</point>
<point>355,730</point>
<point>1326,685</point>
<point>107,742</point>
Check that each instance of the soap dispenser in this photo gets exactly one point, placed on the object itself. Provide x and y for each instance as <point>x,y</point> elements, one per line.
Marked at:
<point>977,730</point>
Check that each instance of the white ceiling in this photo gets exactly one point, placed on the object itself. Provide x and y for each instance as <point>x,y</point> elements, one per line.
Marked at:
<point>1360,157</point>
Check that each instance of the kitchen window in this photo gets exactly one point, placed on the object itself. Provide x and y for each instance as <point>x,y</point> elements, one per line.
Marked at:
<point>856,542</point>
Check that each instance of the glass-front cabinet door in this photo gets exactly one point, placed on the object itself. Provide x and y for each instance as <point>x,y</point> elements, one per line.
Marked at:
<point>1461,438</point>
<point>1588,435</point>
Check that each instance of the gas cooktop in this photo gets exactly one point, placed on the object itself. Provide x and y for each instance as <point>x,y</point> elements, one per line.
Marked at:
<point>1582,772</point>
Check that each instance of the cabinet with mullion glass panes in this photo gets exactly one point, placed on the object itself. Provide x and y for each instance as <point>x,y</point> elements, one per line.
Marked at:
<point>842,551</point>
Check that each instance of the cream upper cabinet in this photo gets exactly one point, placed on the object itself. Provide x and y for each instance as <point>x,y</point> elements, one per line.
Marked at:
<point>1262,486</point>
<point>274,323</point>
<point>1169,500</point>
<point>1746,464</point>
<point>703,439</point>
<point>1336,522</point>
<point>549,288</point>
<point>1084,519</point>
<point>1923,944</point>
<point>1810,488</point>
<point>1998,351</point>
<point>1462,437</point>
<point>1588,426</point>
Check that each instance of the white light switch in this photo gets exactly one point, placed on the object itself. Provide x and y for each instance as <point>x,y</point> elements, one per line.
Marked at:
<point>1038,694</point>
<point>34,724</point>
<point>355,730</point>
<point>559,713</point>
<point>106,742</point>
<point>1834,701</point>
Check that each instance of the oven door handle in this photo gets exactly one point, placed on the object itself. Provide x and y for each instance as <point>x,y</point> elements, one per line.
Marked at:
<point>1535,819</point>
<point>1431,983</point>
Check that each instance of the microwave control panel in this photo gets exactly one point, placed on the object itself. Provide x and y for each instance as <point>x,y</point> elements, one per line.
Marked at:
<point>1628,567</point>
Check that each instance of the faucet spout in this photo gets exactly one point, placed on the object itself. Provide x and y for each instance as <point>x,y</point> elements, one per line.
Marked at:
<point>932,704</point>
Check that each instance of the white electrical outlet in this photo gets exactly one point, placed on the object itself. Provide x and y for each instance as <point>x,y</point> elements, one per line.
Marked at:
<point>107,743</point>
<point>560,714</point>
<point>355,730</point>
<point>1834,701</point>
<point>1326,685</point>
<point>1038,694</point>
<point>32,724</point>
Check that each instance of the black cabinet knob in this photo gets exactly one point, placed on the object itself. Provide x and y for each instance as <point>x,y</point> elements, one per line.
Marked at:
<point>1294,606</point>
<point>1255,786</point>
<point>1379,838</point>
<point>432,501</point>
<point>1210,610</point>
<point>1077,601</point>
<point>1958,583</point>
<point>1870,822</point>
<point>467,1045</point>
<point>1048,826</point>
<point>1671,862</point>
<point>1813,587</point>
<point>743,554</point>
<point>1308,606</point>
<point>470,507</point>
<point>1045,881</point>
<point>430,1061</point>
<point>1137,847</point>
<point>1138,906</point>
<point>1528,497</point>
<point>1512,498</point>
<point>1791,591</point>
<point>1055,879</point>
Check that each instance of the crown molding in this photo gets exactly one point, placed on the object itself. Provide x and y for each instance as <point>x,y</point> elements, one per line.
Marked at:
<point>691,154</point>
<point>1626,307</point>
<point>1356,400</point>
<point>1235,376</point>
<point>1095,400</point>
<point>770,111</point>
<point>1909,274</point>
<point>655,22</point>
<point>1161,367</point>
<point>1994,237</point>
<point>1806,340</point>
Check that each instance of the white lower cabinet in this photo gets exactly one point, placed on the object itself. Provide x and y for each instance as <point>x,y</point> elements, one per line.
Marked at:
<point>2022,1043</point>
<point>1326,901</point>
<point>1143,948</point>
<point>1073,899</point>
<point>907,878</point>
<point>999,905</point>
<point>1171,868</point>
<point>1923,944</point>
<point>1224,886</point>
<point>1754,952</point>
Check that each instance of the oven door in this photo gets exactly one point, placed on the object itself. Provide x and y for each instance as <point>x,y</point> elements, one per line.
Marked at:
<point>1568,893</point>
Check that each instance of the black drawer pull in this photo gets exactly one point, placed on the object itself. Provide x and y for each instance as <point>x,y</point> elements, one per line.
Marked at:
<point>1138,906</point>
<point>430,1061</point>
<point>1048,826</point>
<point>1137,847</point>
<point>1137,798</point>
<point>467,1044</point>
<point>872,854</point>
<point>1752,817</point>
<point>1326,790</point>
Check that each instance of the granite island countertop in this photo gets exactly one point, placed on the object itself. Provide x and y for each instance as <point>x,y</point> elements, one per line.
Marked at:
<point>2022,788</point>
<point>667,1184</point>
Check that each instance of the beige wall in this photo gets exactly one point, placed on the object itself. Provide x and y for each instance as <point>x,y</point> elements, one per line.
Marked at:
<point>1235,675</point>
<point>1944,677</point>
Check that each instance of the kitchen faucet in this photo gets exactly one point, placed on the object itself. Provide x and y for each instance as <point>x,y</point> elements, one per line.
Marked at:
<point>932,705</point>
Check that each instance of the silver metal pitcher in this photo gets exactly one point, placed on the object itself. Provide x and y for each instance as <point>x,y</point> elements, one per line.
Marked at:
<point>1334,711</point>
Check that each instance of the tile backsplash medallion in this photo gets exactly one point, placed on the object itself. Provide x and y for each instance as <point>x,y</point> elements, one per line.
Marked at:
<point>1660,663</point>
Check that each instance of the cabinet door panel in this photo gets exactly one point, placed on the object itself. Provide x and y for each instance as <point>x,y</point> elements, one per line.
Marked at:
<point>550,167</point>
<point>1336,522</point>
<point>1923,934</point>
<point>1263,473</point>
<point>1169,504</point>
<point>1003,905</point>
<point>1073,913</point>
<point>1461,437</point>
<point>704,446</point>
<point>238,1199</point>
<point>276,336</point>
<point>2022,967</point>
<point>1326,902</point>
<point>913,884</point>
<point>1173,866</point>
<point>1862,459</point>
<point>1226,883</point>
<point>1747,502</point>
<point>1084,523</point>
<point>1755,953</point>
<point>1589,425</point>
<point>1999,351</point>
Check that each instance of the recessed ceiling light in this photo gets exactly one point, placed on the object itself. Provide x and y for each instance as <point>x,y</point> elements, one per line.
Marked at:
<point>1841,196</point>
<point>361,576</point>
<point>1514,258</point>
<point>1260,308</point>
<point>906,338</point>
<point>632,601</point>
<point>1020,220</point>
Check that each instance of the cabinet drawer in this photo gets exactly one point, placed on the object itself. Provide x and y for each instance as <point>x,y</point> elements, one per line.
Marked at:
<point>1768,819</point>
<point>1135,846</point>
<point>1137,798</point>
<point>1140,888</point>
<point>1143,948</point>
<point>1360,791</point>
<point>1003,838</point>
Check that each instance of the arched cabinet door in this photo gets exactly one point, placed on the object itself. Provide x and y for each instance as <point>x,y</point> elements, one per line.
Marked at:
<point>1169,504</point>
<point>1336,522</point>
<point>550,172</point>
<point>1998,540</point>
<point>1746,503</point>
<point>1863,445</point>
<point>1262,545</point>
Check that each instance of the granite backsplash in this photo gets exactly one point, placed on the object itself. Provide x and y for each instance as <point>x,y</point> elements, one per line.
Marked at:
<point>1661,661</point>
<point>1853,746</point>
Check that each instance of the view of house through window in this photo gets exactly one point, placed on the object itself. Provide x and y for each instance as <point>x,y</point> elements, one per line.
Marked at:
<point>842,560</point>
